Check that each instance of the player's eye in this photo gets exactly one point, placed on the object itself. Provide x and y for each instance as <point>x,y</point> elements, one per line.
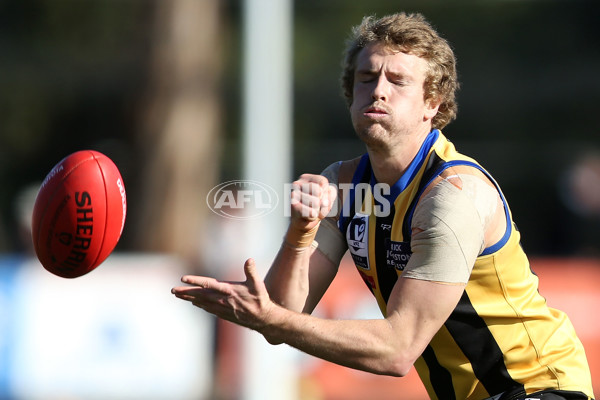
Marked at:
<point>365,77</point>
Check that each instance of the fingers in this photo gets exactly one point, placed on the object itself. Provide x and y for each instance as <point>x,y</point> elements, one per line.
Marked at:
<point>244,303</point>
<point>312,197</point>
<point>331,195</point>
<point>200,286</point>
<point>254,280</point>
<point>250,270</point>
<point>201,282</point>
<point>210,288</point>
<point>205,293</point>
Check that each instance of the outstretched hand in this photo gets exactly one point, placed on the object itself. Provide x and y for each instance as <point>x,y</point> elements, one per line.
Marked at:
<point>244,303</point>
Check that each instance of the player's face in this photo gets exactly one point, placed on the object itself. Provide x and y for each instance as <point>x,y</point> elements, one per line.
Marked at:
<point>388,96</point>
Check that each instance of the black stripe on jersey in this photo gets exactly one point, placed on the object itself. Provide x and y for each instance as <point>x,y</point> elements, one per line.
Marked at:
<point>477,343</point>
<point>440,378</point>
<point>386,274</point>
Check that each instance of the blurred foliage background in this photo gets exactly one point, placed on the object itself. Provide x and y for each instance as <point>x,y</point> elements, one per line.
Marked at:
<point>81,74</point>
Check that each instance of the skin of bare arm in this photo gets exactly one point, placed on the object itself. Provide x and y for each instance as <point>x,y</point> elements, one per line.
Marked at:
<point>278,307</point>
<point>388,346</point>
<point>299,278</point>
<point>299,274</point>
<point>392,117</point>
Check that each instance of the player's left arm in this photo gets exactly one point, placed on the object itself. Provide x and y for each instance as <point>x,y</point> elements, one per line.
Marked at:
<point>447,232</point>
<point>387,346</point>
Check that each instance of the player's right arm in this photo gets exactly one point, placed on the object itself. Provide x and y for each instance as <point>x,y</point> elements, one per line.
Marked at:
<point>300,273</point>
<point>298,278</point>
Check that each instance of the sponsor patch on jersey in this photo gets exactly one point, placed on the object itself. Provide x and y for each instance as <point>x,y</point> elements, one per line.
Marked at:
<point>397,254</point>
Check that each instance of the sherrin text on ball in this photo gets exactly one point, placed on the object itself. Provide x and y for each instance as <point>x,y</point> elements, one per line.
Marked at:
<point>79,214</point>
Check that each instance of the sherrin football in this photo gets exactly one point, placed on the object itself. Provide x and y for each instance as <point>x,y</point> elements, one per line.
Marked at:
<point>79,214</point>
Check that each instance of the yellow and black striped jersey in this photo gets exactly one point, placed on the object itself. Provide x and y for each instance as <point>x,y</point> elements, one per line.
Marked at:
<point>501,337</point>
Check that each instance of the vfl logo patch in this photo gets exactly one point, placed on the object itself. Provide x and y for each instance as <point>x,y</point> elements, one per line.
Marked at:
<point>357,237</point>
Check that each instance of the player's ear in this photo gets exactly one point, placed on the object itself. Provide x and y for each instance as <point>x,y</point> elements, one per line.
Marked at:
<point>432,106</point>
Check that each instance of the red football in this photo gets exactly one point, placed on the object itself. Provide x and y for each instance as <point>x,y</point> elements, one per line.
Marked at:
<point>79,214</point>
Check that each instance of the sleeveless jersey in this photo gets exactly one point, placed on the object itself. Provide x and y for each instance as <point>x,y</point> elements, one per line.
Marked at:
<point>501,337</point>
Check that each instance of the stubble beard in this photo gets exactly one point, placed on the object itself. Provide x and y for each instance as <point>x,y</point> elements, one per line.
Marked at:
<point>376,136</point>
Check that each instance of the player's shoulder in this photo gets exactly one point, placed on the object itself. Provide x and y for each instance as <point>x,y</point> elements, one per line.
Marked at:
<point>341,171</point>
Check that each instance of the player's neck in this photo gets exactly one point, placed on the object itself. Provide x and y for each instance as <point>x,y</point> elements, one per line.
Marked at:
<point>390,163</point>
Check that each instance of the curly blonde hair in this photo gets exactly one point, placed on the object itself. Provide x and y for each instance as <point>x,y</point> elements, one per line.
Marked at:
<point>411,34</point>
